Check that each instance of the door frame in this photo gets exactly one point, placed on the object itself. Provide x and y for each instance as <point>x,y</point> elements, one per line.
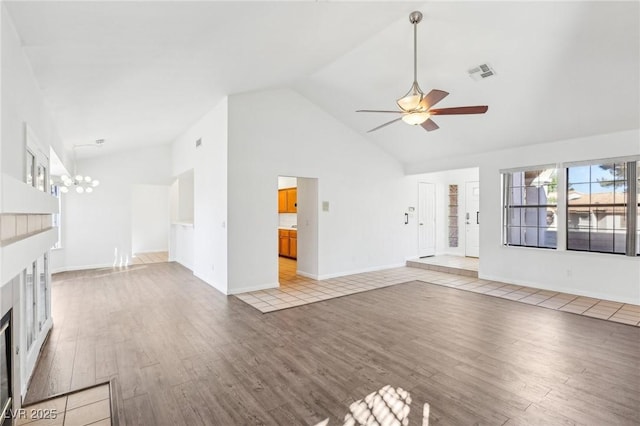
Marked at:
<point>469,218</point>
<point>430,217</point>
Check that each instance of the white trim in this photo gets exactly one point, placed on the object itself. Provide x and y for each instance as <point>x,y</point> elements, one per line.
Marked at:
<point>85,267</point>
<point>601,161</point>
<point>307,275</point>
<point>253,288</point>
<point>203,279</point>
<point>360,271</point>
<point>529,168</point>
<point>151,251</point>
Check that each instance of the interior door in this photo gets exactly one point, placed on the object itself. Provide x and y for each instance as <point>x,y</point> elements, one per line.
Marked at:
<point>426,219</point>
<point>472,219</point>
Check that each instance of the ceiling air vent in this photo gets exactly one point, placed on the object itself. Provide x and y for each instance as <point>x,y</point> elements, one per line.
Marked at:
<point>198,142</point>
<point>481,72</point>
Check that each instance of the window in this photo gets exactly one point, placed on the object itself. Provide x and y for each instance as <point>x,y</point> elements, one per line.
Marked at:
<point>30,168</point>
<point>56,217</point>
<point>597,207</point>
<point>43,281</point>
<point>41,182</point>
<point>30,275</point>
<point>530,204</point>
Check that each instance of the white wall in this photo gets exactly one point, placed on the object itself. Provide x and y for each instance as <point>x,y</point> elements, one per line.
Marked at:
<point>97,227</point>
<point>605,276</point>
<point>307,218</point>
<point>289,136</point>
<point>21,104</point>
<point>207,256</point>
<point>442,180</point>
<point>149,218</point>
<point>185,197</point>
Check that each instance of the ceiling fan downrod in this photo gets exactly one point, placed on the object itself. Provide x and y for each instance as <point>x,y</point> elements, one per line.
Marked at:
<point>411,101</point>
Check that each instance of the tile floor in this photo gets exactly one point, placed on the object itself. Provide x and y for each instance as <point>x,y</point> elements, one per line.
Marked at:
<point>91,406</point>
<point>296,290</point>
<point>157,257</point>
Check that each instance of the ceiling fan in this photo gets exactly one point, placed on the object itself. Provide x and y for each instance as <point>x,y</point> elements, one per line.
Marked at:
<point>416,107</point>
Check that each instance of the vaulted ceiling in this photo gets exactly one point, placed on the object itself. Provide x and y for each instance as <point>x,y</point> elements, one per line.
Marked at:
<point>139,73</point>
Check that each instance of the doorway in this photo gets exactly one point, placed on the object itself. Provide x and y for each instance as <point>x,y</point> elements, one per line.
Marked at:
<point>150,223</point>
<point>297,228</point>
<point>472,219</point>
<point>426,219</point>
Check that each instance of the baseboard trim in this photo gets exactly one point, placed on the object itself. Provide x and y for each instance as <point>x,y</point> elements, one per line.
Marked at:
<point>84,267</point>
<point>569,290</point>
<point>360,271</point>
<point>253,288</point>
<point>307,275</point>
<point>152,251</point>
<point>206,281</point>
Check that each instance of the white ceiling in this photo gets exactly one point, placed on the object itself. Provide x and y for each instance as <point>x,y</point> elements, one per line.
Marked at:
<point>139,73</point>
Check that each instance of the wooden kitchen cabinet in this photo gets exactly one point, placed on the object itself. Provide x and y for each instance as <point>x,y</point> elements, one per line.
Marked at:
<point>288,243</point>
<point>283,242</point>
<point>293,244</point>
<point>282,201</point>
<point>288,200</point>
<point>292,200</point>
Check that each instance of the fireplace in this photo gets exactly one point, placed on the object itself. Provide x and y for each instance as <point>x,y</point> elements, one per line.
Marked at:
<point>6,401</point>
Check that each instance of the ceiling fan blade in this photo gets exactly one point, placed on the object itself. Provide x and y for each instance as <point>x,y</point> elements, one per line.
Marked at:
<point>379,110</point>
<point>432,98</point>
<point>430,125</point>
<point>479,109</point>
<point>385,124</point>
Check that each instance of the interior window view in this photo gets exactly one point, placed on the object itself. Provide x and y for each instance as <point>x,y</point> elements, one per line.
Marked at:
<point>532,208</point>
<point>597,207</point>
<point>319,213</point>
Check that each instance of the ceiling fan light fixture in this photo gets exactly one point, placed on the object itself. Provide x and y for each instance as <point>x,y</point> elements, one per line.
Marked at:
<point>412,100</point>
<point>415,118</point>
<point>416,107</point>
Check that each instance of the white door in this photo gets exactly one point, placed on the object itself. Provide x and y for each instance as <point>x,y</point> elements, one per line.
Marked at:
<point>472,219</point>
<point>426,219</point>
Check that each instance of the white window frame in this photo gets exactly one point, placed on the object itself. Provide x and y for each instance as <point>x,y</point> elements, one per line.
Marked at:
<point>506,179</point>
<point>632,247</point>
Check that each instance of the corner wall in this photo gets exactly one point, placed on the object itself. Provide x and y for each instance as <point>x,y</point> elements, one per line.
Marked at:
<point>203,247</point>
<point>97,227</point>
<point>280,133</point>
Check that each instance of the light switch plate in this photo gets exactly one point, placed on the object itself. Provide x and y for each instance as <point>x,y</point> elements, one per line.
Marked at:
<point>325,206</point>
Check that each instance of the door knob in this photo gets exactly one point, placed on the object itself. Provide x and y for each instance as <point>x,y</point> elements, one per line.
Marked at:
<point>421,223</point>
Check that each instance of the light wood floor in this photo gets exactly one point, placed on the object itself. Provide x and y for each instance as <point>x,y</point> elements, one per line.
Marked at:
<point>182,353</point>
<point>151,257</point>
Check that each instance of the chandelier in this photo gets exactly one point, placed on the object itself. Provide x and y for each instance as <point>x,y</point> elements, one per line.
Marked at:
<point>80,183</point>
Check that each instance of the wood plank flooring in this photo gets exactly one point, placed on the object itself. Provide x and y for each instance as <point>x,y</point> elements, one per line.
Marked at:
<point>182,353</point>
